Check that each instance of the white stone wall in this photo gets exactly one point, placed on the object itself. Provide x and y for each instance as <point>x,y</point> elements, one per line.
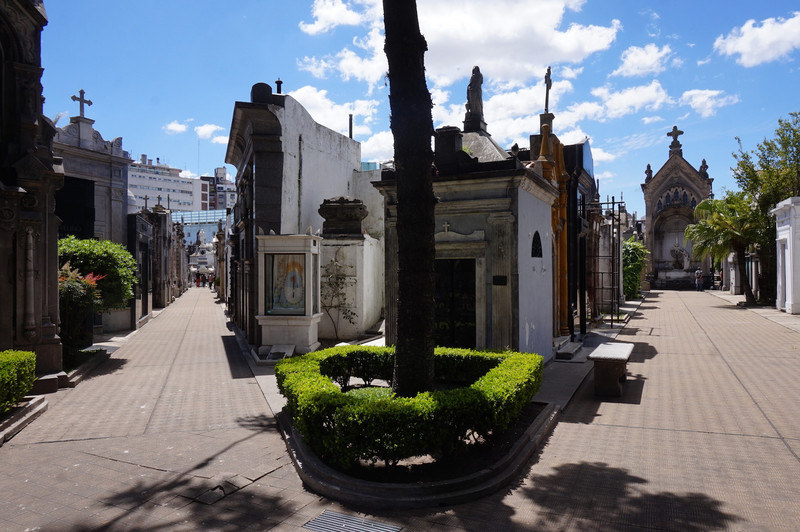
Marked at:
<point>787,220</point>
<point>318,163</point>
<point>535,277</point>
<point>362,261</point>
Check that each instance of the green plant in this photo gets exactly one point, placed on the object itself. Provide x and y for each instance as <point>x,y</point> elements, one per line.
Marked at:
<point>374,424</point>
<point>333,293</point>
<point>78,297</point>
<point>17,373</point>
<point>634,258</point>
<point>103,258</point>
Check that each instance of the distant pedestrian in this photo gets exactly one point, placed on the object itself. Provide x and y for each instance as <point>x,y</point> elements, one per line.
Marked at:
<point>698,280</point>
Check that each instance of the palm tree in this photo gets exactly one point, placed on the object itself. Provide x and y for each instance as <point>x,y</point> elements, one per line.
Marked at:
<point>412,127</point>
<point>725,225</point>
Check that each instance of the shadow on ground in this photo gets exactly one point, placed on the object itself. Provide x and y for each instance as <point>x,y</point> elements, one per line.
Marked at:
<point>188,500</point>
<point>594,496</point>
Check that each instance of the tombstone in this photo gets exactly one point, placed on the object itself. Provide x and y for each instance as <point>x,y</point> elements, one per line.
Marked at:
<point>494,242</point>
<point>287,164</point>
<point>29,176</point>
<point>351,271</point>
<point>670,197</point>
<point>94,200</point>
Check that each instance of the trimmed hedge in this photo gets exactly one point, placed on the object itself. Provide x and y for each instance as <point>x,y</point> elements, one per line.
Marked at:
<point>372,424</point>
<point>108,260</point>
<point>17,373</point>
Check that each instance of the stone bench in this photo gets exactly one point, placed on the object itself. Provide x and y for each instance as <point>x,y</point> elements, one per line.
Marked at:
<point>610,364</point>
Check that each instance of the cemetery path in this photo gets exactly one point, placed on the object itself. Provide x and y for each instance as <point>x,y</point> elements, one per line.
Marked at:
<point>174,432</point>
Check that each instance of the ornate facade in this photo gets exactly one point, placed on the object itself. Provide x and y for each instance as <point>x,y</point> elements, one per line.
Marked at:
<point>670,197</point>
<point>29,177</point>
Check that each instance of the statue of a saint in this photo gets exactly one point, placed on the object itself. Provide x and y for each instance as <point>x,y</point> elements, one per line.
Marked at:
<point>475,93</point>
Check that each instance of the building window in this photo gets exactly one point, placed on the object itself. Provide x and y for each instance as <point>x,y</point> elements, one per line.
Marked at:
<point>536,246</point>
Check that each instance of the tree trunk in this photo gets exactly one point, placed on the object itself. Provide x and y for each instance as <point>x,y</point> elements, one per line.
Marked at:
<point>741,267</point>
<point>412,127</point>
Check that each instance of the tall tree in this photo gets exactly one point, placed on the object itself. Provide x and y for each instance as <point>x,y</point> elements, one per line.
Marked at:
<point>770,174</point>
<point>412,128</point>
<point>725,225</point>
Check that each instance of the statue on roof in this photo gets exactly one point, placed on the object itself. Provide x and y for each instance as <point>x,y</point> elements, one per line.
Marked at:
<point>475,93</point>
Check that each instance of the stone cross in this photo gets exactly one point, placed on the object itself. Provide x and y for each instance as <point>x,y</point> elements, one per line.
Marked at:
<point>80,99</point>
<point>159,199</point>
<point>145,198</point>
<point>446,226</point>
<point>548,84</point>
<point>675,133</point>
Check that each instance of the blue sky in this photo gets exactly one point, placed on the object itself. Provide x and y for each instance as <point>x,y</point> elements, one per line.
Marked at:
<point>164,75</point>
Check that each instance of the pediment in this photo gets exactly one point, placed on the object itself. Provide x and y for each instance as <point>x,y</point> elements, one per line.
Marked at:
<point>676,170</point>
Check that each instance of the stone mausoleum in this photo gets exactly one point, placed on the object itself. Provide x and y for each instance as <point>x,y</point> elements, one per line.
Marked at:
<point>670,196</point>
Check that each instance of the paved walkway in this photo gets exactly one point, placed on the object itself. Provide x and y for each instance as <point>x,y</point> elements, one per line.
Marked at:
<point>175,432</point>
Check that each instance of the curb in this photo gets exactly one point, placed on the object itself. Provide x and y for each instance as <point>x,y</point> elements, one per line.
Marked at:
<point>81,372</point>
<point>34,406</point>
<point>330,483</point>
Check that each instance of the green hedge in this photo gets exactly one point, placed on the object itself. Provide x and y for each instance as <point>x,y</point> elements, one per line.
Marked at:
<point>103,258</point>
<point>372,424</point>
<point>17,373</point>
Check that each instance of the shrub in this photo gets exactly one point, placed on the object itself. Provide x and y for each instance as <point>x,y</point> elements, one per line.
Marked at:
<point>372,424</point>
<point>634,257</point>
<point>103,258</point>
<point>77,299</point>
<point>17,373</point>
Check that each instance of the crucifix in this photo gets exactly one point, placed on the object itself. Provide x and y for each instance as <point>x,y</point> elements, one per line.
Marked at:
<point>80,99</point>
<point>145,198</point>
<point>446,226</point>
<point>675,133</point>
<point>548,83</point>
<point>159,199</point>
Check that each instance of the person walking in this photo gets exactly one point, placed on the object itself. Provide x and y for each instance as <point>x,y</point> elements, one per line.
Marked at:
<point>698,280</point>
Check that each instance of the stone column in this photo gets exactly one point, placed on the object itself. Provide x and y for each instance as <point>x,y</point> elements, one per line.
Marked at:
<point>501,226</point>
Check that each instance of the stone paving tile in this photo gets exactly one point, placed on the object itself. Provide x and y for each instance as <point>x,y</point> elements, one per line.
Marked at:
<point>705,437</point>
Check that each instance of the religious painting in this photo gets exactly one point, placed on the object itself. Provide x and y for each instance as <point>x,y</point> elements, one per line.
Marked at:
<point>286,284</point>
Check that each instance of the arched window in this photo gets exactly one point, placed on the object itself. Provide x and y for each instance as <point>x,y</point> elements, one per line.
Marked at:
<point>694,203</point>
<point>659,206</point>
<point>675,196</point>
<point>667,200</point>
<point>685,198</point>
<point>536,246</point>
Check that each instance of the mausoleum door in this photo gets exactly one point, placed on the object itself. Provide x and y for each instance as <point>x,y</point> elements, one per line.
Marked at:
<point>455,303</point>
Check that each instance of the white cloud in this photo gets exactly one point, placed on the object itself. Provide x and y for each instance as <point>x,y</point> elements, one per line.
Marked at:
<point>568,72</point>
<point>318,68</point>
<point>706,102</point>
<point>651,119</point>
<point>701,62</point>
<point>328,14</point>
<point>379,147</point>
<point>755,44</point>
<point>219,139</point>
<point>466,36</point>
<point>207,130</point>
<point>188,173</point>
<point>646,61</point>
<point>335,116</point>
<point>599,155</point>
<point>175,128</point>
<point>650,97</point>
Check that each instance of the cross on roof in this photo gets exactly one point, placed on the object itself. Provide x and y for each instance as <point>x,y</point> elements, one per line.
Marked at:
<point>675,133</point>
<point>145,198</point>
<point>81,100</point>
<point>548,83</point>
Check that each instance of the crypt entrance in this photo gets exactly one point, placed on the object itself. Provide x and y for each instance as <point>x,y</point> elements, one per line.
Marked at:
<point>455,323</point>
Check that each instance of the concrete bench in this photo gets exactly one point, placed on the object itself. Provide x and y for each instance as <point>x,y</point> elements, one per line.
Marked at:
<point>610,364</point>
